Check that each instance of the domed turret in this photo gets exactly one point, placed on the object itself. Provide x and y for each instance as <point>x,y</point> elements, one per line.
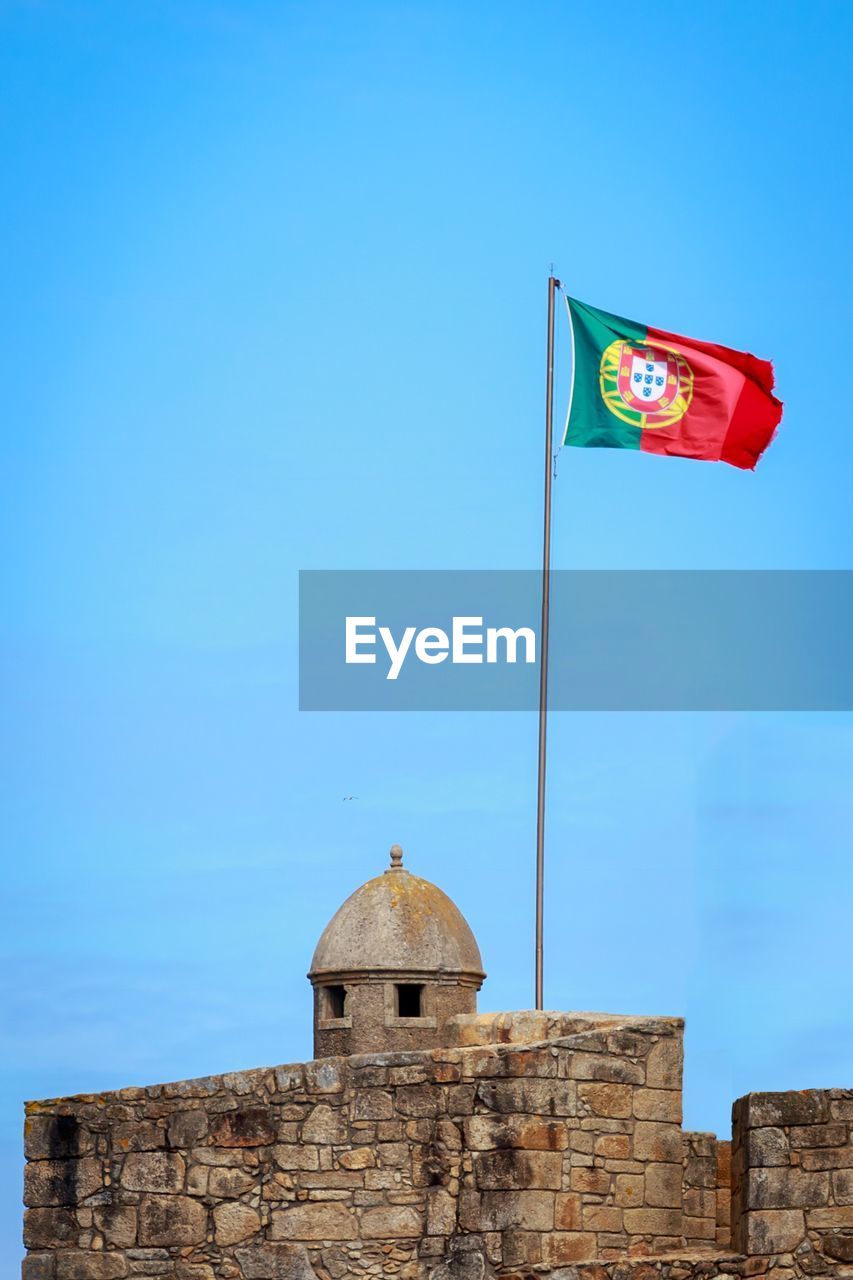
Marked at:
<point>392,965</point>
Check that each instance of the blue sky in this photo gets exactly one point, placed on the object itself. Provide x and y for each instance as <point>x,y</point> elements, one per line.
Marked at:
<point>273,290</point>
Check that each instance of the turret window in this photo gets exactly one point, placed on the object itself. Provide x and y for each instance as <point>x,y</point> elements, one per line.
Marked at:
<point>409,1000</point>
<point>336,1002</point>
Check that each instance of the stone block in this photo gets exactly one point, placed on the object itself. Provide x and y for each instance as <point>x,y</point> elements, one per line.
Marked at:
<point>325,1125</point>
<point>56,1138</point>
<point>228,1184</point>
<point>138,1135</point>
<point>663,1186</point>
<point>837,1216</point>
<point>293,1155</point>
<point>602,1217</point>
<point>76,1264</point>
<point>664,1064</point>
<point>810,1106</point>
<point>392,1222</point>
<point>246,1127</point>
<point>530,1097</point>
<point>610,1100</point>
<point>358,1158</point>
<point>373,1104</point>
<point>38,1266</point>
<point>171,1220</point>
<point>317,1221</point>
<point>776,1188</point>
<point>842,1186</point>
<point>652,1222</point>
<point>595,1181</point>
<point>532,1210</point>
<point>828,1158</point>
<point>657,1141</point>
<point>49,1228</point>
<point>568,1211</point>
<point>561,1247</point>
<point>441,1212</point>
<point>818,1135</point>
<point>61,1182</point>
<point>519,1170</point>
<point>234,1222</point>
<point>614,1146</point>
<point>117,1224</point>
<point>483,1133</point>
<point>630,1190</point>
<point>187,1128</point>
<point>419,1100</point>
<point>161,1171</point>
<point>658,1104</point>
<point>838,1245</point>
<point>597,1066</point>
<point>275,1262</point>
<point>700,1203</point>
<point>773,1231</point>
<point>767,1146</point>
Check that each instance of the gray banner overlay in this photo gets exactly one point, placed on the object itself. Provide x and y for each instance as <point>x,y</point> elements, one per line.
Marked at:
<point>620,641</point>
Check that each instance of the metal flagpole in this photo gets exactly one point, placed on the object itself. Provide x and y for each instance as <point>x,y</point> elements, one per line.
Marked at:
<point>553,285</point>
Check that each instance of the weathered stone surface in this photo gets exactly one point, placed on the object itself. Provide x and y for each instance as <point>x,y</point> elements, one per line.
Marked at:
<point>162,1171</point>
<point>469,1264</point>
<point>533,1210</point>
<point>775,1230</point>
<point>657,1104</point>
<point>60,1137</point>
<point>246,1127</point>
<point>61,1182</point>
<point>810,1106</point>
<point>612,1100</point>
<point>664,1064</point>
<point>519,1170</point>
<point>320,1221</point>
<point>228,1184</point>
<point>38,1266</point>
<point>837,1244</point>
<point>325,1125</point>
<point>655,1222</point>
<point>775,1188</point>
<point>657,1141</point>
<point>49,1228</point>
<point>767,1146</point>
<point>485,1132</point>
<point>73,1264</point>
<point>117,1223</point>
<point>234,1222</point>
<point>187,1128</point>
<point>171,1220</point>
<point>389,1222</point>
<point>663,1187</point>
<point>275,1262</point>
<point>530,1097</point>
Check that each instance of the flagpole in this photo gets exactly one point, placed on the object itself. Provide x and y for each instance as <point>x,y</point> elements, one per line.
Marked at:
<point>553,285</point>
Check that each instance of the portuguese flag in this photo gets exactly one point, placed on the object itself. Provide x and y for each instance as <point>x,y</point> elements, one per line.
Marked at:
<point>635,387</point>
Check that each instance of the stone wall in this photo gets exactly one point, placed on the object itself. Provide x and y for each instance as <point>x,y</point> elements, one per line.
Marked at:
<point>792,1176</point>
<point>699,1152</point>
<point>519,1155</point>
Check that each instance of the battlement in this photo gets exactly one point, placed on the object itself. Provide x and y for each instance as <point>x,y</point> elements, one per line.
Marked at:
<point>561,1155</point>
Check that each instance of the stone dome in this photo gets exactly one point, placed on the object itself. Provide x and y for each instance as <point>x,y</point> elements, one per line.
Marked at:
<point>398,923</point>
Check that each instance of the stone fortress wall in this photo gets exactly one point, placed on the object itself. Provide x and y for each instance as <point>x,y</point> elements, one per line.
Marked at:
<point>533,1145</point>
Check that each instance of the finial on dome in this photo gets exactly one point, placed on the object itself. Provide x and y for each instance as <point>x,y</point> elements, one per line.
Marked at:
<point>396,858</point>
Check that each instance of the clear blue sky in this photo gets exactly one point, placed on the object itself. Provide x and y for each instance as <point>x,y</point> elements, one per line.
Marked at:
<point>272,298</point>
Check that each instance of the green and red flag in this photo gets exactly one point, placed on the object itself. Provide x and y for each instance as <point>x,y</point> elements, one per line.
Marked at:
<point>636,387</point>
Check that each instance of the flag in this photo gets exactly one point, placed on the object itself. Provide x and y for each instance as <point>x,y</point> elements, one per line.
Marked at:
<point>635,387</point>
